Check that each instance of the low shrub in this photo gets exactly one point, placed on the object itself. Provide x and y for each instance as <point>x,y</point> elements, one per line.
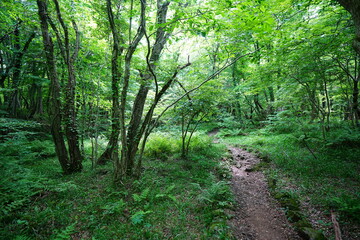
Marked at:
<point>161,146</point>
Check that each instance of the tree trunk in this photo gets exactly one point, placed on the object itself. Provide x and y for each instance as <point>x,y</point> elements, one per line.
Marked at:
<point>71,126</point>
<point>355,103</point>
<point>128,155</point>
<point>271,94</point>
<point>112,149</point>
<point>14,103</point>
<point>353,7</point>
<point>54,100</point>
<point>133,136</point>
<point>137,127</point>
<point>75,163</point>
<point>36,101</point>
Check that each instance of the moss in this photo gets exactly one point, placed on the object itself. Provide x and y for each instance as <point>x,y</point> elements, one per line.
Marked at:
<point>272,183</point>
<point>302,223</point>
<point>258,167</point>
<point>311,234</point>
<point>294,214</point>
<point>296,217</point>
<point>287,201</point>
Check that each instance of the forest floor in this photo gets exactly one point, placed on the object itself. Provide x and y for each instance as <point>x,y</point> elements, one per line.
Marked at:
<point>315,191</point>
<point>257,215</point>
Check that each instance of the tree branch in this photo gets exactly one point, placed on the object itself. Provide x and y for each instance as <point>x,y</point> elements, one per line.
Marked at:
<point>216,73</point>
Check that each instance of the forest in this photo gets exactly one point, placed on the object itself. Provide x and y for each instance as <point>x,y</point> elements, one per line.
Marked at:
<point>181,119</point>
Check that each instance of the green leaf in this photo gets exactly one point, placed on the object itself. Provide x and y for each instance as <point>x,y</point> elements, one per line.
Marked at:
<point>138,217</point>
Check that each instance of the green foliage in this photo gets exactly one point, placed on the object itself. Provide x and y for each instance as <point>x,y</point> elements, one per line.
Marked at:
<point>214,201</point>
<point>167,194</point>
<point>343,137</point>
<point>143,196</point>
<point>229,122</point>
<point>218,194</point>
<point>65,233</point>
<point>283,122</point>
<point>161,146</point>
<point>24,140</point>
<point>114,207</point>
<point>298,83</point>
<point>200,143</point>
<point>37,201</point>
<point>138,217</point>
<point>348,205</point>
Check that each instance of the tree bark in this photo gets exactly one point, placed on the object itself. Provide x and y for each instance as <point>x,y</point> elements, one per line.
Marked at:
<point>112,149</point>
<point>14,103</point>
<point>36,101</point>
<point>71,126</point>
<point>353,7</point>
<point>355,103</point>
<point>69,107</point>
<point>126,153</point>
<point>134,136</point>
<point>54,100</point>
<point>137,127</point>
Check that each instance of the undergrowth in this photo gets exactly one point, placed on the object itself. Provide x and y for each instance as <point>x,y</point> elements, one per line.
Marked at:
<point>173,199</point>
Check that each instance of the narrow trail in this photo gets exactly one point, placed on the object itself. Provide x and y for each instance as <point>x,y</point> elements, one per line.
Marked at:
<point>257,215</point>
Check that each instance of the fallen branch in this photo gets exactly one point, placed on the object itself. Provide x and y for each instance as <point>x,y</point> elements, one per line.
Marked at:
<point>336,226</point>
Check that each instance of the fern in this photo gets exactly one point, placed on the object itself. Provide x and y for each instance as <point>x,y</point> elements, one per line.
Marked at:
<point>65,233</point>
<point>166,194</point>
<point>138,217</point>
<point>143,196</point>
<point>218,194</point>
<point>115,207</point>
<point>14,205</point>
<point>21,237</point>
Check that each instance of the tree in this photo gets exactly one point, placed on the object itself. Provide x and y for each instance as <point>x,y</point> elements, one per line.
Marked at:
<point>17,40</point>
<point>131,135</point>
<point>112,151</point>
<point>71,163</point>
<point>191,111</point>
<point>353,7</point>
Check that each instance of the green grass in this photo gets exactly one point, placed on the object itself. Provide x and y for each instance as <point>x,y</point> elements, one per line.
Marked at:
<point>327,172</point>
<point>173,199</point>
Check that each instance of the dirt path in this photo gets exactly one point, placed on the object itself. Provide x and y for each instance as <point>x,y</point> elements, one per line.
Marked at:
<point>257,215</point>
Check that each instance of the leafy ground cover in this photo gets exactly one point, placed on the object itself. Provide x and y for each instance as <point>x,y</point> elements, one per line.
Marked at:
<point>174,198</point>
<point>325,172</point>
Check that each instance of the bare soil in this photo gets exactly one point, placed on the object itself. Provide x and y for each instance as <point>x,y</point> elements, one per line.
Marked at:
<point>257,215</point>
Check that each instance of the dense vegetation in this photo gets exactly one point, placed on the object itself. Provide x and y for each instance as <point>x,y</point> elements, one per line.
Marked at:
<point>105,108</point>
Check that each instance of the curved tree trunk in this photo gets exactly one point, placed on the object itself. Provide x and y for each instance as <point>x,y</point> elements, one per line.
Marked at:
<point>137,126</point>
<point>75,161</point>
<point>112,149</point>
<point>54,100</point>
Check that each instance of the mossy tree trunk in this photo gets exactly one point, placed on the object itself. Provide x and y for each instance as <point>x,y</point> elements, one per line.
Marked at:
<point>54,107</point>
<point>112,149</point>
<point>71,159</point>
